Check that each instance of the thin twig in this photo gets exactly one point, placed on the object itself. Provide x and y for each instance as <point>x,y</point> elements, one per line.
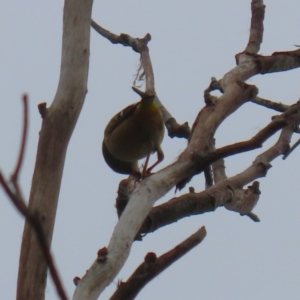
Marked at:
<point>140,45</point>
<point>34,220</point>
<point>256,141</point>
<point>253,217</point>
<point>292,149</point>
<point>14,194</point>
<point>18,203</point>
<point>270,104</point>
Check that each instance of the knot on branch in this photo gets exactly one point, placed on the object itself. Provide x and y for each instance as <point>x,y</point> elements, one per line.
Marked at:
<point>243,201</point>
<point>137,44</point>
<point>42,107</point>
<point>176,130</point>
<point>198,164</point>
<point>102,255</point>
<point>76,280</point>
<point>150,258</point>
<point>214,85</point>
<point>125,190</point>
<point>249,91</point>
<point>263,165</point>
<point>209,99</point>
<point>191,190</point>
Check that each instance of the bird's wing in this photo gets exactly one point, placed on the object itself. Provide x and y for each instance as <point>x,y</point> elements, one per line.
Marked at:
<point>119,118</point>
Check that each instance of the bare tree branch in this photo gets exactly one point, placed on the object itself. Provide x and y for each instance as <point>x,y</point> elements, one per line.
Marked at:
<point>157,185</point>
<point>153,266</point>
<point>258,140</point>
<point>176,130</point>
<point>125,191</point>
<point>279,62</point>
<point>34,220</point>
<point>122,39</point>
<point>291,149</point>
<point>198,203</point>
<point>236,93</point>
<point>256,27</point>
<point>222,192</point>
<point>270,104</point>
<point>219,174</point>
<point>14,194</point>
<point>218,170</point>
<point>57,126</point>
<point>190,204</point>
<point>217,85</point>
<point>140,46</point>
<point>253,217</point>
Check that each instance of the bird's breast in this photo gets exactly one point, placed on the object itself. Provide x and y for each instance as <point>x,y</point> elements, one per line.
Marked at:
<point>139,135</point>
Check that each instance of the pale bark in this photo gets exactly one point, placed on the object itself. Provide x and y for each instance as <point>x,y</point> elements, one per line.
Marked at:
<point>153,188</point>
<point>60,119</point>
<point>58,124</point>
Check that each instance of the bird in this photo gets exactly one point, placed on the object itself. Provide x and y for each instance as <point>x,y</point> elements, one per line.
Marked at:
<point>133,134</point>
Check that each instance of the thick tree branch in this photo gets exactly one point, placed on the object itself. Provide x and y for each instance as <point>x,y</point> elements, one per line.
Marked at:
<point>153,266</point>
<point>57,127</point>
<point>215,157</point>
<point>279,62</point>
<point>210,118</point>
<point>198,203</point>
<point>220,194</point>
<point>236,93</point>
<point>127,186</point>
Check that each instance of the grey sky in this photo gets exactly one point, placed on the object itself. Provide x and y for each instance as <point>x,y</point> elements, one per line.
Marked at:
<point>191,41</point>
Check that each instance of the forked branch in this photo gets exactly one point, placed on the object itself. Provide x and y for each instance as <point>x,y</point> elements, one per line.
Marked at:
<point>153,266</point>
<point>140,45</point>
<point>235,93</point>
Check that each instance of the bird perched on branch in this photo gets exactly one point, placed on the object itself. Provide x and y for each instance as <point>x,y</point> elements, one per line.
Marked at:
<point>133,134</point>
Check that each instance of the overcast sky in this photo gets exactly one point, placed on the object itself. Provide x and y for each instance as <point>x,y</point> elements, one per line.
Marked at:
<point>191,42</point>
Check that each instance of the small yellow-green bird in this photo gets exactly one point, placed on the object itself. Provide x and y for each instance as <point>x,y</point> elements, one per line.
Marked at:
<point>133,134</point>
